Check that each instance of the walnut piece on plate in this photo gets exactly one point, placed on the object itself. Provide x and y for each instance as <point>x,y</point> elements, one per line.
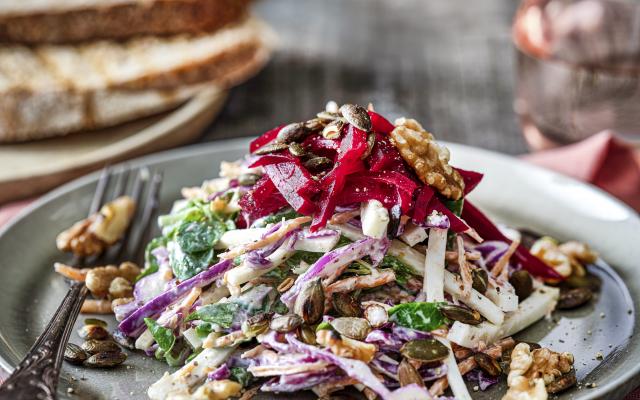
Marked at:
<point>94,234</point>
<point>531,372</point>
<point>429,160</point>
<point>566,258</point>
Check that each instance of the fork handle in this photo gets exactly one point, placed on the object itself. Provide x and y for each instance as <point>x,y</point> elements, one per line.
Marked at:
<point>37,375</point>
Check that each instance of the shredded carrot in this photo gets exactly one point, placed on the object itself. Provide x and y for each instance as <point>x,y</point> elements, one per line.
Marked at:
<point>70,272</point>
<point>503,261</point>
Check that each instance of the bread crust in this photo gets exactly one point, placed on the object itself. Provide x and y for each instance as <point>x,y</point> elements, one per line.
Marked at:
<point>120,20</point>
<point>56,107</point>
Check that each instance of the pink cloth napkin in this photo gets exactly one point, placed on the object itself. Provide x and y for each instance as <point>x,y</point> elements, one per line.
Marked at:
<point>603,160</point>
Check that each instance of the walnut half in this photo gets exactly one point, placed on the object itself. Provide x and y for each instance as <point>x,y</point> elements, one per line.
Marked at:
<point>94,234</point>
<point>428,159</point>
<point>530,372</point>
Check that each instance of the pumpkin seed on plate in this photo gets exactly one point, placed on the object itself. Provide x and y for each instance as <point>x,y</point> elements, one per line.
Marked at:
<point>318,163</point>
<point>573,298</point>
<point>462,314</point>
<point>294,132</point>
<point>333,130</point>
<point>357,116</point>
<point>488,364</point>
<point>310,302</point>
<point>588,281</point>
<point>271,148</point>
<point>352,327</point>
<point>346,305</point>
<point>307,334</point>
<point>522,282</point>
<point>105,360</point>
<point>248,179</point>
<point>407,374</point>
<point>297,150</point>
<point>285,323</point>
<point>124,340</point>
<point>371,142</point>
<point>93,346</point>
<point>93,332</point>
<point>74,354</point>
<point>256,324</point>
<point>425,350</point>
<point>480,279</point>
<point>95,321</point>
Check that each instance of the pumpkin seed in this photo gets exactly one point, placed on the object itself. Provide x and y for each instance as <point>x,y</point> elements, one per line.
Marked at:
<point>297,150</point>
<point>328,115</point>
<point>333,130</point>
<point>256,324</point>
<point>352,327</point>
<point>74,354</point>
<point>573,298</point>
<point>307,334</point>
<point>588,281</point>
<point>285,323</point>
<point>318,163</point>
<point>310,302</point>
<point>480,279</point>
<point>93,346</point>
<point>522,283</point>
<point>394,222</point>
<point>488,364</point>
<point>124,340</point>
<point>93,332</point>
<point>105,360</point>
<point>425,350</point>
<point>462,314</point>
<point>248,179</point>
<point>285,285</point>
<point>95,321</point>
<point>270,148</point>
<point>562,383</point>
<point>314,124</point>
<point>371,142</point>
<point>294,132</point>
<point>356,116</point>
<point>346,305</point>
<point>407,374</point>
<point>376,315</point>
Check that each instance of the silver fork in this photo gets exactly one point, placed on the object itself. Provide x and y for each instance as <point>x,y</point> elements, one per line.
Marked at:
<point>36,377</point>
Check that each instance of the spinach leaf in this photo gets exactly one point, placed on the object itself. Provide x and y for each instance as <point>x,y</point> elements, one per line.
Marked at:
<point>163,336</point>
<point>279,307</point>
<point>203,330</point>
<point>241,375</point>
<point>151,264</point>
<point>455,206</point>
<point>186,265</point>
<point>178,354</point>
<point>219,313</point>
<point>358,267</point>
<point>403,271</point>
<point>419,316</point>
<point>199,236</point>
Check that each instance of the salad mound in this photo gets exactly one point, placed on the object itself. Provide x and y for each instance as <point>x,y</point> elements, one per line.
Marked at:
<point>343,252</point>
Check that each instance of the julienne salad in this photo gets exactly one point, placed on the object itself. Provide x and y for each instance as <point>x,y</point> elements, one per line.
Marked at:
<point>341,252</point>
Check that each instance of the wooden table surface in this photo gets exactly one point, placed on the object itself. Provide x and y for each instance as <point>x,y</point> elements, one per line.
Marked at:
<point>447,63</point>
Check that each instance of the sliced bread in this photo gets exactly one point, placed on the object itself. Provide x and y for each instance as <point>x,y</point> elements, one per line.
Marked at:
<point>54,90</point>
<point>65,21</point>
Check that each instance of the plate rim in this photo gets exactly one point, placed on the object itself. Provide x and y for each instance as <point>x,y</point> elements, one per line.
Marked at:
<point>610,387</point>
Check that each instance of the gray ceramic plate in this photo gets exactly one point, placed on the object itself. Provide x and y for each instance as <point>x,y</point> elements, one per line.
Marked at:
<point>513,192</point>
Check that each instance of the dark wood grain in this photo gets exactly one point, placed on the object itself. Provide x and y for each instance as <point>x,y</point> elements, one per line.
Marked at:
<point>448,63</point>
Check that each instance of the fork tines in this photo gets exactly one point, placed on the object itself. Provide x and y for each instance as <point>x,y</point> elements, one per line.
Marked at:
<point>145,191</point>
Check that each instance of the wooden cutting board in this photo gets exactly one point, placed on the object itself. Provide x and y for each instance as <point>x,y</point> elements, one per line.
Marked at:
<point>31,168</point>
